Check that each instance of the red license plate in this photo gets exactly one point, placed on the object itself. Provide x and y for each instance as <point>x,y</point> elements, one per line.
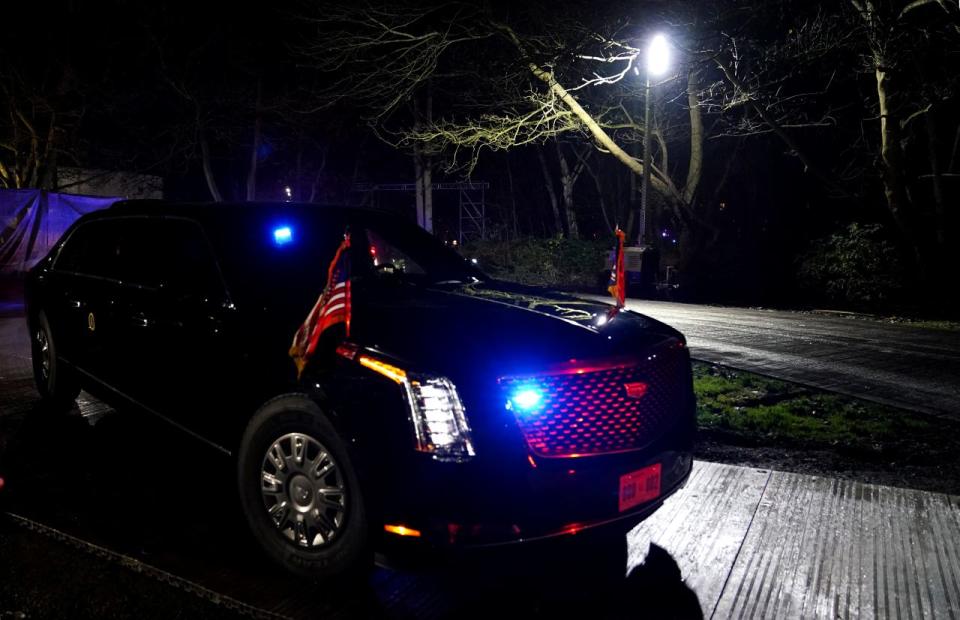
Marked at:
<point>639,486</point>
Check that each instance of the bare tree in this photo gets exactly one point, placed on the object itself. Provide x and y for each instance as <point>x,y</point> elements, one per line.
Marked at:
<point>518,98</point>
<point>793,80</point>
<point>34,128</point>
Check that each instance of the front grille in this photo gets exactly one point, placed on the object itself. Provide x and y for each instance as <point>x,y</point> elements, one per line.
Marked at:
<point>586,410</point>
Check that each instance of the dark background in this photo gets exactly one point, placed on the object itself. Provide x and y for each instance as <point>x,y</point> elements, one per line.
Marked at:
<point>791,208</point>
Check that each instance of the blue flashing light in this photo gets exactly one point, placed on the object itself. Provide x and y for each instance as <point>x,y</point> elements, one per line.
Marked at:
<point>282,235</point>
<point>525,400</point>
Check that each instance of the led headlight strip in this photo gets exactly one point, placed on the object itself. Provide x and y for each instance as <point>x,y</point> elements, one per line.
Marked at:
<point>436,412</point>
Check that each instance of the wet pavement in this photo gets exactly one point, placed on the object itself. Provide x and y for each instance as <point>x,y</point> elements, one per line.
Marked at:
<point>914,368</point>
<point>139,508</point>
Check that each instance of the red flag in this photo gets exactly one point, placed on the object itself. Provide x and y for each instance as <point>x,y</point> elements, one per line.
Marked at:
<point>331,308</point>
<point>618,285</point>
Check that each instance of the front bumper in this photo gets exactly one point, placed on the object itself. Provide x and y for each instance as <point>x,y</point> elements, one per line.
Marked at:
<point>468,507</point>
<point>506,496</point>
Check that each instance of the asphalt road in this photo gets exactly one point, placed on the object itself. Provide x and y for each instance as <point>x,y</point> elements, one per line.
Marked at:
<point>914,368</point>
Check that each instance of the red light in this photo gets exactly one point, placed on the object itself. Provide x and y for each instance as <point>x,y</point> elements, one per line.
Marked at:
<point>1,484</point>
<point>530,460</point>
<point>572,528</point>
<point>453,530</point>
<point>347,350</point>
<point>575,367</point>
<point>636,389</point>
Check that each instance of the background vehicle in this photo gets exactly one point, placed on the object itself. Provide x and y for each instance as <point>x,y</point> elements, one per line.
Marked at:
<point>459,413</point>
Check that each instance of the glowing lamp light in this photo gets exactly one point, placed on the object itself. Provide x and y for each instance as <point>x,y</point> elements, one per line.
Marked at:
<point>282,235</point>
<point>401,530</point>
<point>658,56</point>
<point>525,400</point>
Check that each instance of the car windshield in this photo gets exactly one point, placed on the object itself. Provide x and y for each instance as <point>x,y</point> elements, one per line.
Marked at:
<point>402,250</point>
<point>279,257</point>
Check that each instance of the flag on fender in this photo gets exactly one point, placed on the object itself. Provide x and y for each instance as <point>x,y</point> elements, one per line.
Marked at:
<point>618,283</point>
<point>331,308</point>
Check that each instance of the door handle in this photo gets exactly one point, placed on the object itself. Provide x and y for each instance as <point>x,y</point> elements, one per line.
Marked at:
<point>74,303</point>
<point>140,320</point>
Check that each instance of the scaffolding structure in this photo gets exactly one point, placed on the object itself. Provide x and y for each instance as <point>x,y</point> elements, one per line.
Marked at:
<point>472,203</point>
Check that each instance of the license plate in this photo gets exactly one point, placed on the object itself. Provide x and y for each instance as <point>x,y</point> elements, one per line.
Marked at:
<point>639,486</point>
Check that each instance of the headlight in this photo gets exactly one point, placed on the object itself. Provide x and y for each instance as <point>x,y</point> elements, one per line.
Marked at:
<point>439,423</point>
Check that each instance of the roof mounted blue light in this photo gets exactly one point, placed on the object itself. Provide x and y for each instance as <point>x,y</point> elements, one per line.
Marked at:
<point>282,235</point>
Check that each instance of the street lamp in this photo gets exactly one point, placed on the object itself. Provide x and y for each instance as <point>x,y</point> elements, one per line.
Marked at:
<point>658,61</point>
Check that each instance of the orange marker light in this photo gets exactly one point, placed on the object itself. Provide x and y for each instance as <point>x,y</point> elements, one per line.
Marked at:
<point>401,530</point>
<point>390,372</point>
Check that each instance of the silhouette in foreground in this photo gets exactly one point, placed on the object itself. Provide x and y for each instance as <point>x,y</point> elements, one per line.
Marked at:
<point>655,589</point>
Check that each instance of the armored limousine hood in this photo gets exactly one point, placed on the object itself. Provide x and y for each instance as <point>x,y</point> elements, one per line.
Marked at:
<point>498,327</point>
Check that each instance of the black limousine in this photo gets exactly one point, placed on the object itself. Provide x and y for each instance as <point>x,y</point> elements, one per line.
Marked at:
<point>449,411</point>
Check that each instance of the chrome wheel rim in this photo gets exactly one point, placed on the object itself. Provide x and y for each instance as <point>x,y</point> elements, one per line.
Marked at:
<point>44,344</point>
<point>303,490</point>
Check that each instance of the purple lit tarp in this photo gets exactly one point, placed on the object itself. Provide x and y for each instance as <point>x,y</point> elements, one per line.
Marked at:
<point>31,222</point>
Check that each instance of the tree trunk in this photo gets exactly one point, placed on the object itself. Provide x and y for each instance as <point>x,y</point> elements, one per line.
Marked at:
<point>548,181</point>
<point>315,186</point>
<point>418,174</point>
<point>566,185</point>
<point>954,150</point>
<point>894,187</point>
<point>600,201</point>
<point>298,182</point>
<point>513,197</point>
<point>208,167</point>
<point>696,139</point>
<point>941,223</point>
<point>661,185</point>
<point>423,164</point>
<point>6,177</point>
<point>428,196</point>
<point>255,151</point>
<point>428,171</point>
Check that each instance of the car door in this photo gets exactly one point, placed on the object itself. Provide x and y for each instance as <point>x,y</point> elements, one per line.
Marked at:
<point>84,295</point>
<point>178,355</point>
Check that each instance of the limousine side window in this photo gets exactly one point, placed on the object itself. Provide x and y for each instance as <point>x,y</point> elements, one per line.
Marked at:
<point>170,254</point>
<point>151,252</point>
<point>93,249</point>
<point>190,266</point>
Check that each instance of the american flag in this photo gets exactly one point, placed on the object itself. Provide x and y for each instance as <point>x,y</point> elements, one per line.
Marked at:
<point>331,308</point>
<point>618,285</point>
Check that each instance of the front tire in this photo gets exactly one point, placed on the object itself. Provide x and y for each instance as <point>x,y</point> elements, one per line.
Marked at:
<point>57,383</point>
<point>299,491</point>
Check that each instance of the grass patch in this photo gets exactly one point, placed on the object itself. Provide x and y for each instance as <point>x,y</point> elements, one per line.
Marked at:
<point>927,324</point>
<point>771,411</point>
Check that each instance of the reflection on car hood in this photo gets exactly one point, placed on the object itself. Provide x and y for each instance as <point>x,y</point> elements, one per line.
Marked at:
<point>497,328</point>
